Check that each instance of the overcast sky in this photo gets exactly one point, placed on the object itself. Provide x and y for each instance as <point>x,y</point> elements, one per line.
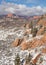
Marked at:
<point>23,7</point>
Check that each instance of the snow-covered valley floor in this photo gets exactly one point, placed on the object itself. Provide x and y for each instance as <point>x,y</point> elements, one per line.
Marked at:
<point>8,53</point>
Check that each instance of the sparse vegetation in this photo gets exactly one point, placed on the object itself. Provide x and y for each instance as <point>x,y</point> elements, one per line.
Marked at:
<point>31,24</point>
<point>45,29</point>
<point>17,60</point>
<point>41,59</point>
<point>28,58</point>
<point>34,31</point>
<point>32,63</point>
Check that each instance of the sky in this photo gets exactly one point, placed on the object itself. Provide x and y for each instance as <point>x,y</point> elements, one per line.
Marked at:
<point>23,7</point>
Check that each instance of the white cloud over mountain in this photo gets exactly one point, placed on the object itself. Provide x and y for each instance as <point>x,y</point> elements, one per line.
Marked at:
<point>21,9</point>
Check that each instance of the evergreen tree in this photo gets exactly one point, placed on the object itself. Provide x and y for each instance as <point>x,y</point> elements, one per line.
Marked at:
<point>17,60</point>
<point>28,58</point>
<point>31,24</point>
<point>34,31</point>
<point>41,59</point>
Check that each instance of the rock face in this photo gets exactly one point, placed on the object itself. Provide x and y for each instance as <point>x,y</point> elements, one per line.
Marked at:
<point>43,50</point>
<point>41,31</point>
<point>37,17</point>
<point>17,42</point>
<point>39,42</point>
<point>34,43</point>
<point>44,38</point>
<point>42,22</point>
<point>10,15</point>
<point>24,45</point>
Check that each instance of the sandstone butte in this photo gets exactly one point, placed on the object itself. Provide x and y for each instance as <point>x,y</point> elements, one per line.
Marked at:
<point>10,15</point>
<point>36,17</point>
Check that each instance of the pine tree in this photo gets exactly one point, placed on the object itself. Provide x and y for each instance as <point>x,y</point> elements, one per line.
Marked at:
<point>41,59</point>
<point>31,24</point>
<point>28,58</point>
<point>17,60</point>
<point>34,31</point>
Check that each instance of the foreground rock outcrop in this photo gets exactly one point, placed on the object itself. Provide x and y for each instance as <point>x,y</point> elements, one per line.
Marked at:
<point>42,22</point>
<point>41,31</point>
<point>17,42</point>
<point>24,45</point>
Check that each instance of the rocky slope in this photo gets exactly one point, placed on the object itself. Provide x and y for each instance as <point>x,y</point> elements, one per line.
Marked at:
<point>20,40</point>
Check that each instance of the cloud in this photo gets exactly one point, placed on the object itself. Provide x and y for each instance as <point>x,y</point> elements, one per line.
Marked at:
<point>10,10</point>
<point>21,9</point>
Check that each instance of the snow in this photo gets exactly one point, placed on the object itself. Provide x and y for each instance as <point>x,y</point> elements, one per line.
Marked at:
<point>30,39</point>
<point>6,58</point>
<point>4,33</point>
<point>39,37</point>
<point>35,55</point>
<point>43,63</point>
<point>20,33</point>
